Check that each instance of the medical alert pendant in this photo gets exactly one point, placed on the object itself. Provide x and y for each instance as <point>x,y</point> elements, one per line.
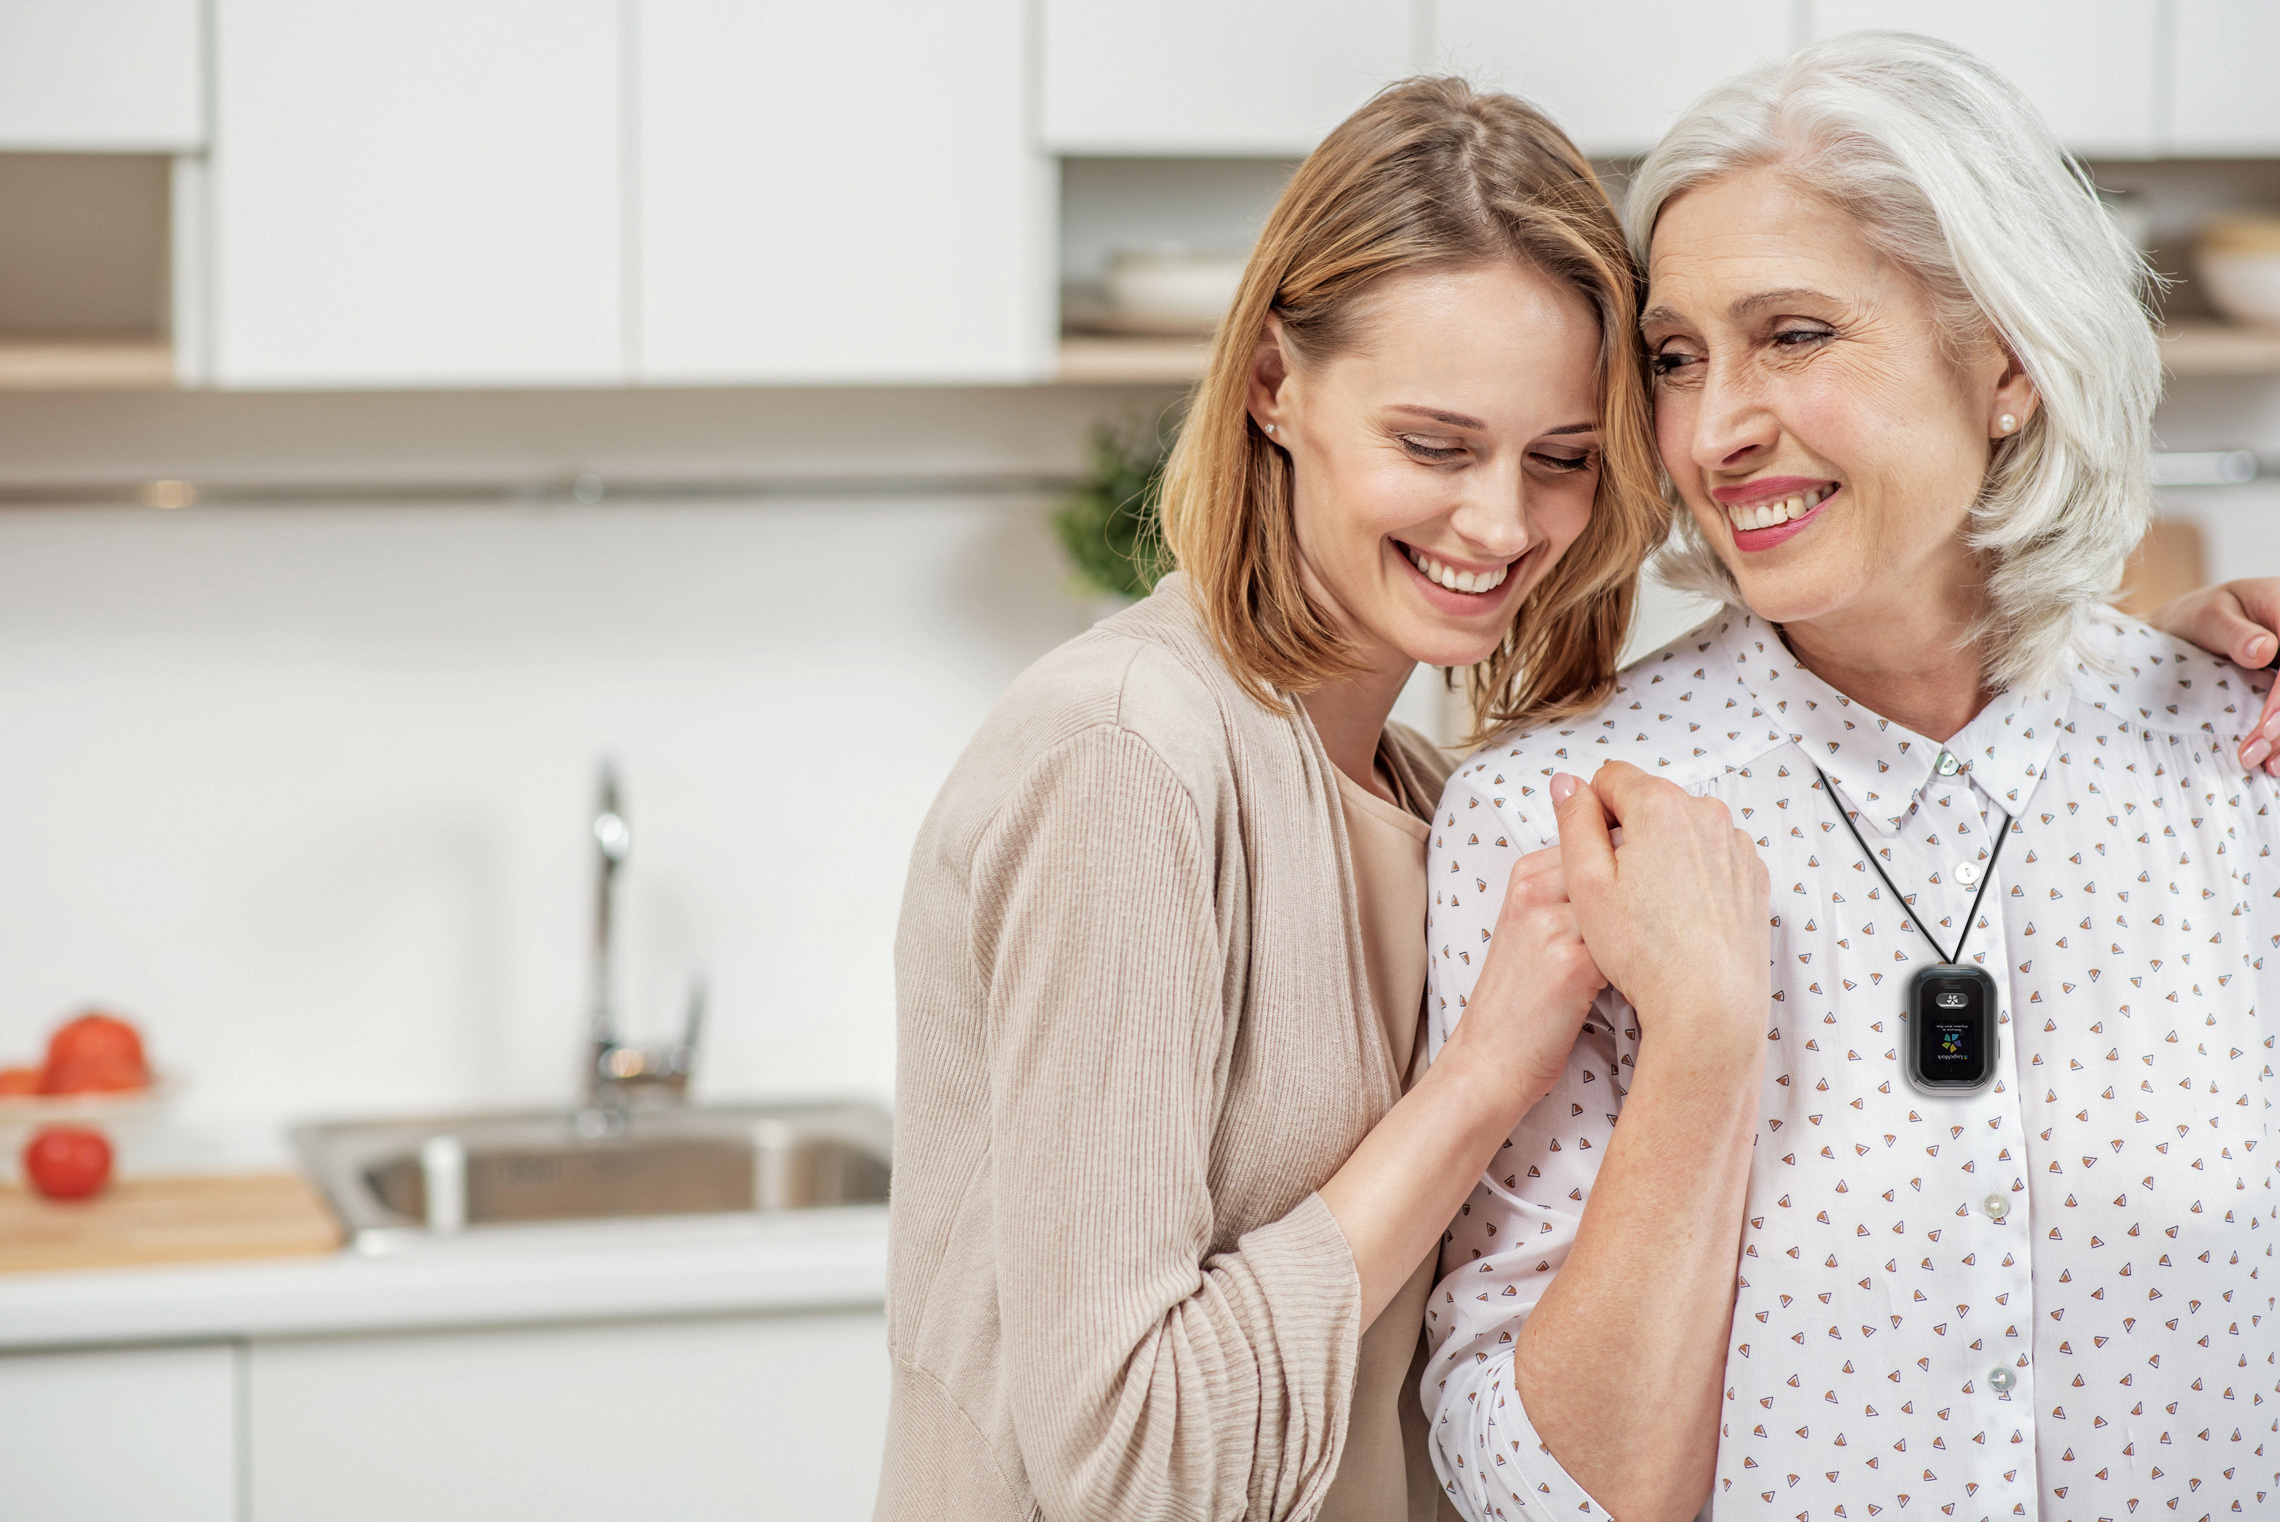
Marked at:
<point>1951,1037</point>
<point>1951,1007</point>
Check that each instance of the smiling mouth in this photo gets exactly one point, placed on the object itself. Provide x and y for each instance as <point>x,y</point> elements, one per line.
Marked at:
<point>1478,583</point>
<point>1779,511</point>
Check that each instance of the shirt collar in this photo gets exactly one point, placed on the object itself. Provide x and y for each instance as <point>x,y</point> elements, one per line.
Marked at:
<point>1882,766</point>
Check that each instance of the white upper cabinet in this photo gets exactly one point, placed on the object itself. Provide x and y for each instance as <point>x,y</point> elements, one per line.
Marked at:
<point>421,193</point>
<point>1257,78</point>
<point>2224,94</point>
<point>839,193</point>
<point>108,76</point>
<point>1615,75</point>
<point>2089,65</point>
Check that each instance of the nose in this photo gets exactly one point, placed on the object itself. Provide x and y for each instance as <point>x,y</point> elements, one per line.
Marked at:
<point>1491,514</point>
<point>1732,424</point>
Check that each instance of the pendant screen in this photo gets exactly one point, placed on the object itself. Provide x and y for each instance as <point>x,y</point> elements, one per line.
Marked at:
<point>1952,1040</point>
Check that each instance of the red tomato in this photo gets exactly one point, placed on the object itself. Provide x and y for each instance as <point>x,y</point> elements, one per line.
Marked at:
<point>68,1162</point>
<point>94,1053</point>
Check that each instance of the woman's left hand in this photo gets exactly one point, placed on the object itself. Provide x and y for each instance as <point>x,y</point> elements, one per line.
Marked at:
<point>2236,620</point>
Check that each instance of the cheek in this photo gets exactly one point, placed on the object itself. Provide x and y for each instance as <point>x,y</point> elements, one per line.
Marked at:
<point>1358,499</point>
<point>1565,511</point>
<point>1674,425</point>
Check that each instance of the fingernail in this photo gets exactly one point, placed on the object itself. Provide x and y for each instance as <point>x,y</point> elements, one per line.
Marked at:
<point>2255,751</point>
<point>2260,650</point>
<point>1564,786</point>
<point>2271,728</point>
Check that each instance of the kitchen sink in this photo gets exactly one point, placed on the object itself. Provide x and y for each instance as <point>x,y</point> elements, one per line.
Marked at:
<point>399,1182</point>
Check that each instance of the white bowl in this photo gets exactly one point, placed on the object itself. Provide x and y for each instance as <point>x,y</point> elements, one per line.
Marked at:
<point>1172,285</point>
<point>125,1117</point>
<point>2243,285</point>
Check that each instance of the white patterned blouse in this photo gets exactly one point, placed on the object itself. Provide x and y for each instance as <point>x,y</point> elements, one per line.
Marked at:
<point>2051,1298</point>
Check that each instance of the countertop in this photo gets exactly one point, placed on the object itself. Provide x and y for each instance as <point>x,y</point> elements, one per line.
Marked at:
<point>804,1260</point>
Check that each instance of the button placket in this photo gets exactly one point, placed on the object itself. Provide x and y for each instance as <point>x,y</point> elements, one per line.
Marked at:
<point>2005,1264</point>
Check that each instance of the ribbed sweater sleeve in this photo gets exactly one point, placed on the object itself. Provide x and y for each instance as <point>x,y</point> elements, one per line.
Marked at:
<point>1149,1375</point>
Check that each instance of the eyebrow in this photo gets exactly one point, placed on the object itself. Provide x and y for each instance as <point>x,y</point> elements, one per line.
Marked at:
<point>1453,419</point>
<point>1742,308</point>
<point>1460,420</point>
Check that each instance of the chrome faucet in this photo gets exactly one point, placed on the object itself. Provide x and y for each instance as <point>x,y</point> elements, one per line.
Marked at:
<point>618,1076</point>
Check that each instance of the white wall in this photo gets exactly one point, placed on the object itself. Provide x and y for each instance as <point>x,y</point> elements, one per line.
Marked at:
<point>305,790</point>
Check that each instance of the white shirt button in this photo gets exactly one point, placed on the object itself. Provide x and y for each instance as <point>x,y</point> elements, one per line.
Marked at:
<point>1967,872</point>
<point>1947,765</point>
<point>1997,1207</point>
<point>2000,1380</point>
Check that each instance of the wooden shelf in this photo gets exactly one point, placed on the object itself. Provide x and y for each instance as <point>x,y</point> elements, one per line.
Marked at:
<point>2189,348</point>
<point>86,364</point>
<point>1101,359</point>
<point>2201,347</point>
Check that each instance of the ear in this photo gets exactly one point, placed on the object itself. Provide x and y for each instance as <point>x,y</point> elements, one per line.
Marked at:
<point>1267,396</point>
<point>2014,398</point>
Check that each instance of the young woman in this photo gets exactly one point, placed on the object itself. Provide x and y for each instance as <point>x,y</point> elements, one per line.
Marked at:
<point>1164,1215</point>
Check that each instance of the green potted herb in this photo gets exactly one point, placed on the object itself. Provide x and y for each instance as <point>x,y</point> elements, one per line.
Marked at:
<point>1110,522</point>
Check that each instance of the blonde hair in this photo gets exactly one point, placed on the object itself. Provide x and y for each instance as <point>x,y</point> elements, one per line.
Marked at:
<point>1429,174</point>
<point>1951,174</point>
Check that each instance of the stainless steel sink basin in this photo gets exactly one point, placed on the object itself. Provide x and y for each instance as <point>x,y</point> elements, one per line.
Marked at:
<point>510,1169</point>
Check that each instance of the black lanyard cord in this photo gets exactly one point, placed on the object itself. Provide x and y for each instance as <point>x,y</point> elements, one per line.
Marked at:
<point>1852,829</point>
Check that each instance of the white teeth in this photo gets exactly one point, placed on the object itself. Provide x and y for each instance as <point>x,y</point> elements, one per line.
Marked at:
<point>1767,514</point>
<point>1454,579</point>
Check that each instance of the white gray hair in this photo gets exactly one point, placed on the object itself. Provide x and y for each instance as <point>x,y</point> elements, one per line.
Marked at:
<point>1953,176</point>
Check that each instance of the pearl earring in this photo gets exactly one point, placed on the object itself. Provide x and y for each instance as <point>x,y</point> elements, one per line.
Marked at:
<point>2006,422</point>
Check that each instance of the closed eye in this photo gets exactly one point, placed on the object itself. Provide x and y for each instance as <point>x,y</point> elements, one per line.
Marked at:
<point>1565,464</point>
<point>1429,450</point>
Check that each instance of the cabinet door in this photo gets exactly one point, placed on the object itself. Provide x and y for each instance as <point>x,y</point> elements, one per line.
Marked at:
<point>815,210</point>
<point>122,1435</point>
<point>2089,65</point>
<point>757,1419</point>
<point>422,193</point>
<point>1616,75</point>
<point>1264,78</point>
<point>2224,97</point>
<point>117,76</point>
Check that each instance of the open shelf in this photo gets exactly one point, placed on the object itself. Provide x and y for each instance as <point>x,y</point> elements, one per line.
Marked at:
<point>85,364</point>
<point>2202,347</point>
<point>1103,359</point>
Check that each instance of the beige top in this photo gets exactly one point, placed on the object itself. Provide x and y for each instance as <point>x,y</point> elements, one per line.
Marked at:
<point>1135,1035</point>
<point>1383,1476</point>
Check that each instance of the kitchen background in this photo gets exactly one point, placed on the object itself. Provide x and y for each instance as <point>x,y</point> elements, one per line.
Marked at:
<point>405,407</point>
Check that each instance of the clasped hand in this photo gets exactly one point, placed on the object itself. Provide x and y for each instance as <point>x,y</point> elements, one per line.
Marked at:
<point>1676,918</point>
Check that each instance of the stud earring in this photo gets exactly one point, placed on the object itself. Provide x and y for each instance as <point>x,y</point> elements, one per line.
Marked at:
<point>2006,422</point>
<point>1268,426</point>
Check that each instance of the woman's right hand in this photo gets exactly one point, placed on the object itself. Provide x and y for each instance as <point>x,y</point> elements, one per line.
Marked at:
<point>1678,918</point>
<point>1535,987</point>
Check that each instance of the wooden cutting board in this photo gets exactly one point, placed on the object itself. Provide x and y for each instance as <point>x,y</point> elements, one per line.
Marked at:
<point>166,1220</point>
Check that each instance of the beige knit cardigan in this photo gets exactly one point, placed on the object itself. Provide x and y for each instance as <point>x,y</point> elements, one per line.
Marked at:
<point>1135,1037</point>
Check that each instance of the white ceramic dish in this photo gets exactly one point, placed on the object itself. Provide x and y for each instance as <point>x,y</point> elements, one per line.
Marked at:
<point>2243,286</point>
<point>125,1118</point>
<point>1171,287</point>
<point>2240,267</point>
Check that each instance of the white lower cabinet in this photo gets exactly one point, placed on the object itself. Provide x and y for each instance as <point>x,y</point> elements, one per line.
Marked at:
<point>757,1418</point>
<point>120,1435</point>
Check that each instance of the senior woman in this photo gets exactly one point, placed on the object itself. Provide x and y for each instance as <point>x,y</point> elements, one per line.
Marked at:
<point>1857,1252</point>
